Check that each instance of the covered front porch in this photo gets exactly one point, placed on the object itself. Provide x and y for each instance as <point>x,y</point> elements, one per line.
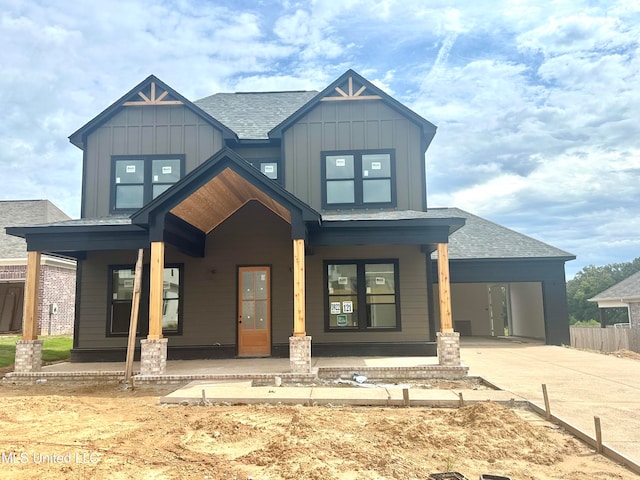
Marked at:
<point>181,225</point>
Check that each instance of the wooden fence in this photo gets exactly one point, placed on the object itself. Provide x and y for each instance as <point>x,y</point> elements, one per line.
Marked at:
<point>605,339</point>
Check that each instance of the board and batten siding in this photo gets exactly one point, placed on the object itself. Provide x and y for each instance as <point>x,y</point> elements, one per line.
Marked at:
<point>148,130</point>
<point>353,125</point>
<point>253,236</point>
<point>413,293</point>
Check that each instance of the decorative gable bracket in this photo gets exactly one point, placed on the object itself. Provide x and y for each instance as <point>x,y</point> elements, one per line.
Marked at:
<point>350,94</point>
<point>150,96</point>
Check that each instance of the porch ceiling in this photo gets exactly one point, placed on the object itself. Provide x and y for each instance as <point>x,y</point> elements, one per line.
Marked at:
<point>220,197</point>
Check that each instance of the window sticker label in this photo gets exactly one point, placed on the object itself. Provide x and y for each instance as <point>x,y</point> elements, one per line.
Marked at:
<point>263,277</point>
<point>335,308</point>
<point>340,162</point>
<point>117,179</point>
<point>343,280</point>
<point>347,307</point>
<point>365,173</point>
<point>342,321</point>
<point>156,178</point>
<point>268,169</point>
<point>131,169</point>
<point>166,170</point>
<point>380,281</point>
<point>127,283</point>
<point>376,166</point>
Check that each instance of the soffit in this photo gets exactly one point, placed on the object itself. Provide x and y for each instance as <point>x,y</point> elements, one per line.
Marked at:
<point>220,197</point>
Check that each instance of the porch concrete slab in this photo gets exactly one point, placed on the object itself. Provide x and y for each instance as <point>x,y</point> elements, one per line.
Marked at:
<point>580,385</point>
<point>194,389</point>
<point>350,396</point>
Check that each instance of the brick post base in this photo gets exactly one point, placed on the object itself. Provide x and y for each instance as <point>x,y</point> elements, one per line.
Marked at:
<point>300,354</point>
<point>153,356</point>
<point>28,356</point>
<point>448,349</point>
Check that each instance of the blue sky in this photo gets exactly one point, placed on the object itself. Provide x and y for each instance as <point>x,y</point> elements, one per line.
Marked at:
<point>536,101</point>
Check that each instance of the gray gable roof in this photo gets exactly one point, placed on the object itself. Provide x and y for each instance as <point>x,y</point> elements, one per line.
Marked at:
<point>251,115</point>
<point>483,239</point>
<point>24,212</point>
<point>629,288</point>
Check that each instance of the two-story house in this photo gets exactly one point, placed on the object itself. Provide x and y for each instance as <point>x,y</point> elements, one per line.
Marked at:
<point>269,219</point>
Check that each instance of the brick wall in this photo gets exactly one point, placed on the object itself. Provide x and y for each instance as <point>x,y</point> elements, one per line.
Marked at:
<point>13,272</point>
<point>57,285</point>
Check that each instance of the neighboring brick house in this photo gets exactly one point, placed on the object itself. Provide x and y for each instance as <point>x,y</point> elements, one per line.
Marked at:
<point>57,275</point>
<point>271,218</point>
<point>626,294</point>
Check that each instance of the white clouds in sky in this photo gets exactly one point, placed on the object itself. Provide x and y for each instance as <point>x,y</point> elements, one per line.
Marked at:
<point>536,101</point>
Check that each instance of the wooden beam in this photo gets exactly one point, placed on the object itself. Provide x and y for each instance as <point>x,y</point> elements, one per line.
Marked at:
<point>299,327</point>
<point>359,97</point>
<point>30,315</point>
<point>156,280</point>
<point>444,288</point>
<point>133,323</point>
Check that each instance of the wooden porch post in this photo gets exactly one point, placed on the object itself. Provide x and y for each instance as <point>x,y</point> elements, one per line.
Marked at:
<point>299,327</point>
<point>30,316</point>
<point>444,288</point>
<point>156,279</point>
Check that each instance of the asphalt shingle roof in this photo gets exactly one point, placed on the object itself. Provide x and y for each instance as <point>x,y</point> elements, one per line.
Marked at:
<point>483,239</point>
<point>627,288</point>
<point>15,213</point>
<point>252,115</point>
<point>477,239</point>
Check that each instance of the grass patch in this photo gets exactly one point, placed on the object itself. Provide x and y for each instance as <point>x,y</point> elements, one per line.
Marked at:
<point>55,348</point>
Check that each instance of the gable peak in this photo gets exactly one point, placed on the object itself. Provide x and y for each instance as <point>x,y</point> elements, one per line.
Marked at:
<point>151,92</point>
<point>350,87</point>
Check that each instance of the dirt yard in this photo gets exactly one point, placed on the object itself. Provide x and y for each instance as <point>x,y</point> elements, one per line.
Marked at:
<point>100,432</point>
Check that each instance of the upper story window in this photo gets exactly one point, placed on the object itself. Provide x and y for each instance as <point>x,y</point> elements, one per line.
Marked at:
<point>358,179</point>
<point>136,180</point>
<point>269,168</point>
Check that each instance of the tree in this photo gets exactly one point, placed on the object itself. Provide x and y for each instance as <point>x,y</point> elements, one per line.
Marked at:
<point>591,281</point>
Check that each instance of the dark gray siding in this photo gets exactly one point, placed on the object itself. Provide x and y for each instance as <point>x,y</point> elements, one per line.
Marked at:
<point>353,125</point>
<point>253,236</point>
<point>413,293</point>
<point>144,131</point>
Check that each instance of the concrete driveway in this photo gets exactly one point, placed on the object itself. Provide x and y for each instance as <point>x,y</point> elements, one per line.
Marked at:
<point>580,385</point>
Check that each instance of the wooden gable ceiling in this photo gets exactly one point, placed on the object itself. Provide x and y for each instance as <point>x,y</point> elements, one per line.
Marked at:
<point>220,198</point>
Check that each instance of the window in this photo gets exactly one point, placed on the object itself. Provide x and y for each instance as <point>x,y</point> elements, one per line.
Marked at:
<point>362,295</point>
<point>121,295</point>
<point>362,179</point>
<point>269,168</point>
<point>136,180</point>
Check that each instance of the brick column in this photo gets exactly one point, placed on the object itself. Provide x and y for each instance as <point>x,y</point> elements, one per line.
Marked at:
<point>448,349</point>
<point>153,356</point>
<point>28,356</point>
<point>300,354</point>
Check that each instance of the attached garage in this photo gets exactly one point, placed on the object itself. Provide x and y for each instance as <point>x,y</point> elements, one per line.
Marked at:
<point>504,283</point>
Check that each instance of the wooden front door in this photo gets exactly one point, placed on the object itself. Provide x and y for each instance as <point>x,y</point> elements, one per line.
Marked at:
<point>254,311</point>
